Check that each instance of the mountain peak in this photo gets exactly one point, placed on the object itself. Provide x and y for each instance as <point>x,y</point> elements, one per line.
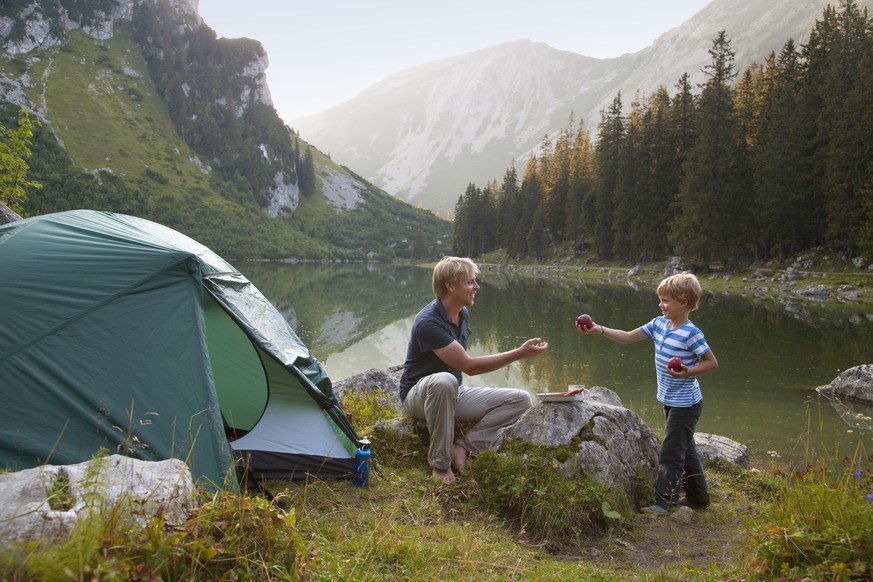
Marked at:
<point>426,132</point>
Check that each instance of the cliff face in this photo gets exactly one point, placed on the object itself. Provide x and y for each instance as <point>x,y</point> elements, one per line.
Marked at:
<point>31,33</point>
<point>42,25</point>
<point>144,110</point>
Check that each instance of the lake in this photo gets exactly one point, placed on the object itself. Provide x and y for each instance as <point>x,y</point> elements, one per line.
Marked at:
<point>772,352</point>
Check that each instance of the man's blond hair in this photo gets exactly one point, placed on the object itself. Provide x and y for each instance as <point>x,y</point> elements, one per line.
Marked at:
<point>682,286</point>
<point>452,270</point>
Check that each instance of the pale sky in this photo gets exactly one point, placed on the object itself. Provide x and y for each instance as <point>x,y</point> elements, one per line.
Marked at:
<point>324,52</point>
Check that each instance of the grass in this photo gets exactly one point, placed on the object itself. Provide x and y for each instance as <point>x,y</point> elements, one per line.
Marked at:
<point>135,137</point>
<point>503,519</point>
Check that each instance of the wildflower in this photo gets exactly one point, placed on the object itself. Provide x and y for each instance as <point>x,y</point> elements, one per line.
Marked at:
<point>736,521</point>
<point>869,497</point>
<point>857,474</point>
<point>741,509</point>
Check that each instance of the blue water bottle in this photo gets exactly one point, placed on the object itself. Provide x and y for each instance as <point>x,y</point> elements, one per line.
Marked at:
<point>363,456</point>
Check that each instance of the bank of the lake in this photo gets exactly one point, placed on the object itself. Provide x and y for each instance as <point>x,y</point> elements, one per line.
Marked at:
<point>813,276</point>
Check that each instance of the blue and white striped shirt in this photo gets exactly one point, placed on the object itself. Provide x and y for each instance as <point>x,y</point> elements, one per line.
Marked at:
<point>685,342</point>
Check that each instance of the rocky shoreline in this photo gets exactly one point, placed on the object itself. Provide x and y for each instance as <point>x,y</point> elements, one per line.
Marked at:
<point>816,278</point>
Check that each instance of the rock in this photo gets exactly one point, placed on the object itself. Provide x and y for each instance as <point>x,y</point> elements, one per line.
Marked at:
<point>711,447</point>
<point>804,263</point>
<point>675,265</point>
<point>820,291</point>
<point>616,446</point>
<point>7,214</point>
<point>145,489</point>
<point>635,271</point>
<point>371,381</point>
<point>683,515</point>
<point>855,383</point>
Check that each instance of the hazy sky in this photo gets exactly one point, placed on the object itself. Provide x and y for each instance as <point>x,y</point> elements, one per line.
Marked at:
<point>324,52</point>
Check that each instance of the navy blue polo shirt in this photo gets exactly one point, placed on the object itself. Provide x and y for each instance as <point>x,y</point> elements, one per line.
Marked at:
<point>431,331</point>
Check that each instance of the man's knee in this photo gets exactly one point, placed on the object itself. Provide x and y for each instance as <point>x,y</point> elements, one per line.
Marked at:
<point>442,384</point>
<point>525,398</point>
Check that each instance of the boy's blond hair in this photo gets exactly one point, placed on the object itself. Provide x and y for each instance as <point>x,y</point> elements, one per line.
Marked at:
<point>682,286</point>
<point>451,270</point>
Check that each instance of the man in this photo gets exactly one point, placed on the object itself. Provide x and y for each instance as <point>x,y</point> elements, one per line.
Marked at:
<point>431,386</point>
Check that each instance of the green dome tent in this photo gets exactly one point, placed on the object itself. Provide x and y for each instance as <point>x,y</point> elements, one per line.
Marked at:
<point>120,334</point>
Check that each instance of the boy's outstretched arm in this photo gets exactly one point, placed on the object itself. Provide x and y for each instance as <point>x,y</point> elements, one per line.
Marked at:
<point>617,335</point>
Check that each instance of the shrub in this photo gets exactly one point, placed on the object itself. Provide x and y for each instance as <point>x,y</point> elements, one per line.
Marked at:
<point>817,525</point>
<point>537,497</point>
<point>365,408</point>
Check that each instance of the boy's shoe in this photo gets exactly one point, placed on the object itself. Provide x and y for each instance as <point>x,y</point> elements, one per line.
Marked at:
<point>655,509</point>
<point>698,506</point>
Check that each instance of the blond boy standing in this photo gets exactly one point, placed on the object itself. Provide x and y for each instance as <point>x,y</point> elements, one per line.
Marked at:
<point>675,336</point>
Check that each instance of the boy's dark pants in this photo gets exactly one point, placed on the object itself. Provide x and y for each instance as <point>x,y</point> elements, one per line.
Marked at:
<point>678,459</point>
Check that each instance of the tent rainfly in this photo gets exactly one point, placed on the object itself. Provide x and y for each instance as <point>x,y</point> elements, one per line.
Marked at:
<point>121,335</point>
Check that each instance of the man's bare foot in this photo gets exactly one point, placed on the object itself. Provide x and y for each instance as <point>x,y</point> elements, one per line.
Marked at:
<point>445,475</point>
<point>459,458</point>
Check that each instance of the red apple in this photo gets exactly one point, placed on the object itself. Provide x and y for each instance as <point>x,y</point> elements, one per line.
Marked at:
<point>584,321</point>
<point>674,364</point>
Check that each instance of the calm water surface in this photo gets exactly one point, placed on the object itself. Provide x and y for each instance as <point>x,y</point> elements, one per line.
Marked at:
<point>772,353</point>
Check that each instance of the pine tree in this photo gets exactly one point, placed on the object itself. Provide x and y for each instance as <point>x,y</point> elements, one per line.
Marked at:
<point>306,173</point>
<point>530,196</point>
<point>580,213</point>
<point>462,231</point>
<point>631,184</point>
<point>663,144</point>
<point>608,153</point>
<point>842,46</point>
<point>508,209</point>
<point>559,185</point>
<point>714,221</point>
<point>786,207</point>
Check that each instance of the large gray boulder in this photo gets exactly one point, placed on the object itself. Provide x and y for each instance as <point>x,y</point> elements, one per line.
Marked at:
<point>851,395</point>
<point>371,381</point>
<point>713,447</point>
<point>47,502</point>
<point>855,383</point>
<point>616,447</point>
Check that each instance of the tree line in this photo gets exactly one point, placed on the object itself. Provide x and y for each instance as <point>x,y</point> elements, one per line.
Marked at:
<point>758,165</point>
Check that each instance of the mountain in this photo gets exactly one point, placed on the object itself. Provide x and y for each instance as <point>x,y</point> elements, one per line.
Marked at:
<point>141,109</point>
<point>425,133</point>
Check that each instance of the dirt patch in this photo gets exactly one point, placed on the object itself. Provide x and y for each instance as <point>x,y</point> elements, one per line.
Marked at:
<point>701,539</point>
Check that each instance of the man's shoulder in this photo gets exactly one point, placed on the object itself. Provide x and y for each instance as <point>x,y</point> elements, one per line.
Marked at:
<point>429,316</point>
<point>429,311</point>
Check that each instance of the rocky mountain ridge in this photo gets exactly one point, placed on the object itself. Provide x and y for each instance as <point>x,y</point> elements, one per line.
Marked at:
<point>424,133</point>
<point>122,86</point>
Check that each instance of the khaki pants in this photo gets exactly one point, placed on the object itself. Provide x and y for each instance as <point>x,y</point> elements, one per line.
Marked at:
<point>440,401</point>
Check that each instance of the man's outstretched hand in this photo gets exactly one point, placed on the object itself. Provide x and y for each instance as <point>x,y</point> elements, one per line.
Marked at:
<point>533,347</point>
